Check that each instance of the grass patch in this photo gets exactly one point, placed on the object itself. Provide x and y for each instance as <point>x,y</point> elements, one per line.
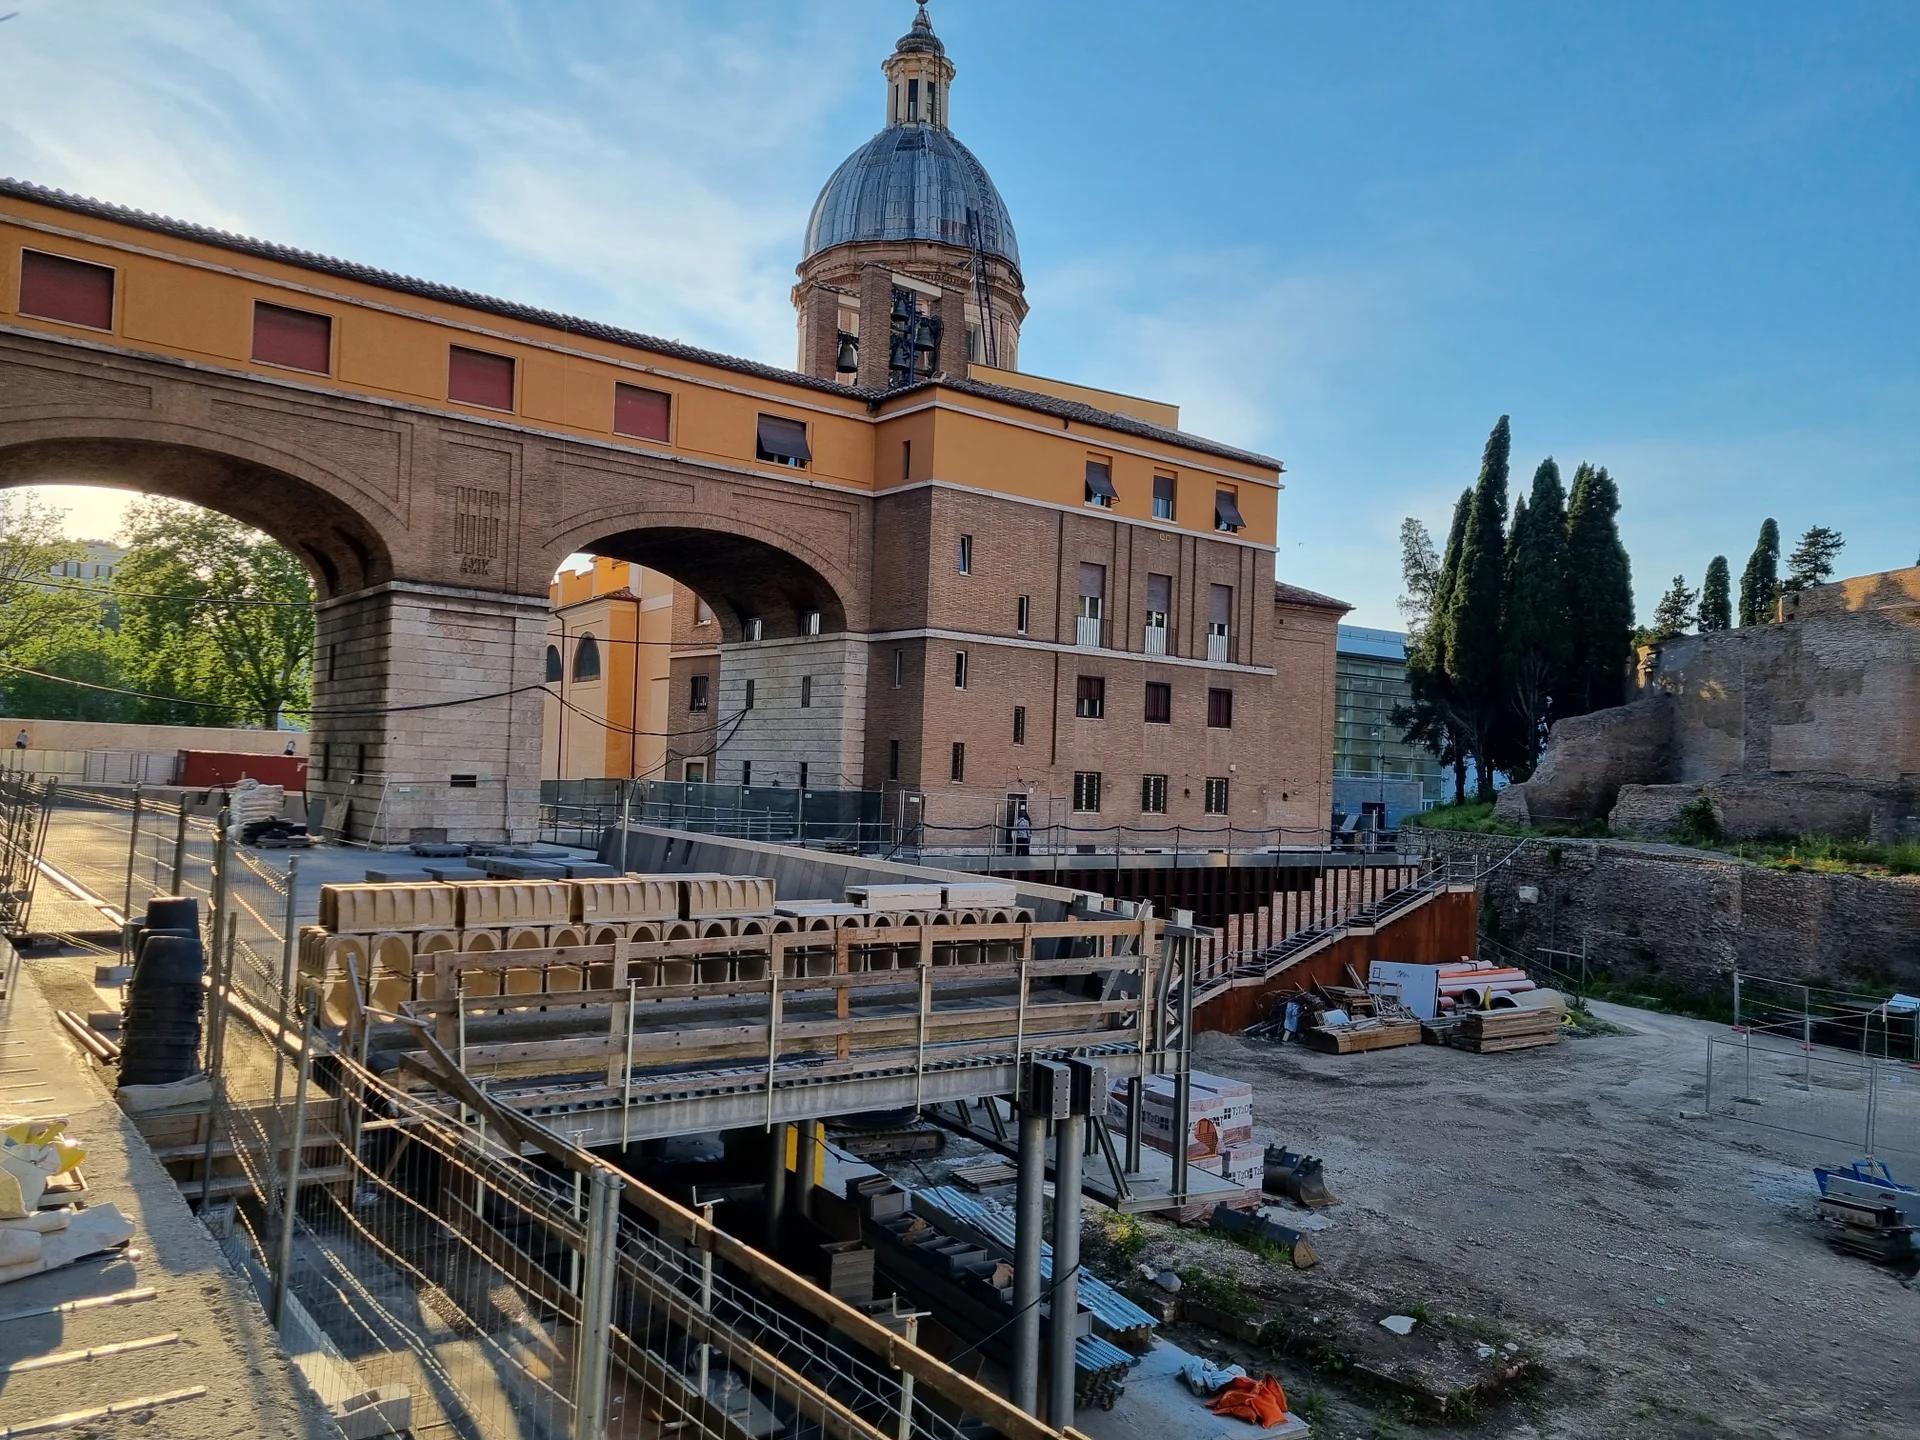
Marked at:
<point>1225,1293</point>
<point>1476,818</point>
<point>1825,855</point>
<point>1115,1239</point>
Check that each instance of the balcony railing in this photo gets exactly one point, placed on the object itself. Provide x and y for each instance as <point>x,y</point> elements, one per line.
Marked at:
<point>1217,644</point>
<point>1155,640</point>
<point>1087,632</point>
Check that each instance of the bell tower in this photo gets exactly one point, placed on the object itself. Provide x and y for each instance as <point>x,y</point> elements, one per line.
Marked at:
<point>911,266</point>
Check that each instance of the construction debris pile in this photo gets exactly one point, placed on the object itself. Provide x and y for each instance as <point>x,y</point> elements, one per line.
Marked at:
<point>45,1220</point>
<point>1474,1005</point>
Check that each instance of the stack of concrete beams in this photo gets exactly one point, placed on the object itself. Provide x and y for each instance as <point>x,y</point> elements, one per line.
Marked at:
<point>386,934</point>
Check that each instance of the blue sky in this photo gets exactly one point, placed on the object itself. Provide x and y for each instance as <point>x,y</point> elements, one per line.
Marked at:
<point>1680,241</point>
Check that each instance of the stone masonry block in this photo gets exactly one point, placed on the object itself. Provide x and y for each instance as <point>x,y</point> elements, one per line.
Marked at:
<point>514,902</point>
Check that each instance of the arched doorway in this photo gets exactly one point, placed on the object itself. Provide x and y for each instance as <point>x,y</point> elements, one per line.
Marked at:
<point>728,658</point>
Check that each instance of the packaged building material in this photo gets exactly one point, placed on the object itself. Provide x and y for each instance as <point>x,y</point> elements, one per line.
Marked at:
<point>1219,1113</point>
<point>979,895</point>
<point>512,902</point>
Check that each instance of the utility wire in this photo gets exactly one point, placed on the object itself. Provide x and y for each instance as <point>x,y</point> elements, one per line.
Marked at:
<point>364,711</point>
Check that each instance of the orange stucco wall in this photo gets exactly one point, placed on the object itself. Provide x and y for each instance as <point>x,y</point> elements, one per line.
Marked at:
<point>615,725</point>
<point>192,301</point>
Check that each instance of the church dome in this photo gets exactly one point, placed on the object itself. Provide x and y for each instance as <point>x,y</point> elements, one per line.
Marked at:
<point>912,182</point>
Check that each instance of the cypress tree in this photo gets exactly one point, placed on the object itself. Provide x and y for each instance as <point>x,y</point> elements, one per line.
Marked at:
<point>1760,581</point>
<point>1534,629</point>
<point>1600,598</point>
<point>1473,610</point>
<point>1430,719</point>
<point>1716,603</point>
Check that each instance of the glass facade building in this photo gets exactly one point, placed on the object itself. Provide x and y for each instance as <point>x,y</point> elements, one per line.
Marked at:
<point>1375,771</point>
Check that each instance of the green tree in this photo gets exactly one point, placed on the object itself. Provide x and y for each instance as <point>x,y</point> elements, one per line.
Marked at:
<point>213,612</point>
<point>1429,719</point>
<point>34,604</point>
<point>1716,601</point>
<point>1811,562</point>
<point>1419,575</point>
<point>1674,615</point>
<point>1760,581</point>
<point>1535,623</point>
<point>1600,598</point>
<point>1472,616</point>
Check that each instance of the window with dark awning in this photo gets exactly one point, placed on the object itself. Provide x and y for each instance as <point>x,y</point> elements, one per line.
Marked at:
<point>478,377</point>
<point>1100,489</point>
<point>57,287</point>
<point>782,441</point>
<point>295,339</point>
<point>1226,511</point>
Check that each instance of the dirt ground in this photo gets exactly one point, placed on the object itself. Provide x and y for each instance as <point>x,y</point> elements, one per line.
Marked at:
<point>1665,1270</point>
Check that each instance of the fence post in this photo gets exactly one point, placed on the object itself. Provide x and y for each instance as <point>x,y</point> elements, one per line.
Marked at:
<point>180,847</point>
<point>221,956</point>
<point>289,962</point>
<point>626,814</point>
<point>706,1291</point>
<point>1736,999</point>
<point>290,1200</point>
<point>1709,1099</point>
<point>903,1428</point>
<point>592,1350</point>
<point>133,856</point>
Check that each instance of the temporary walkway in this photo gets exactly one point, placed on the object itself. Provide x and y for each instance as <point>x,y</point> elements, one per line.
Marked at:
<point>157,1339</point>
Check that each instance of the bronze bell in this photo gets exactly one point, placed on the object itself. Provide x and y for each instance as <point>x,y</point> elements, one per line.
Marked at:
<point>849,356</point>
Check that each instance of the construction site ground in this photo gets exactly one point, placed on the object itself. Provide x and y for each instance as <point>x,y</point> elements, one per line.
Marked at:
<point>1571,1206</point>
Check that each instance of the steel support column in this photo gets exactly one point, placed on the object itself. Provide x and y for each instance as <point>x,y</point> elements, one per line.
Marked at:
<point>1069,1146</point>
<point>776,1182</point>
<point>1028,1219</point>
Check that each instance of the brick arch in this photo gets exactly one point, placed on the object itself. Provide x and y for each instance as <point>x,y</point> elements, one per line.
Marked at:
<point>738,567</point>
<point>333,526</point>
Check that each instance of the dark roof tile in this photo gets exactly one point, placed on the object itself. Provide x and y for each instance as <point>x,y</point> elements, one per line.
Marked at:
<point>1286,594</point>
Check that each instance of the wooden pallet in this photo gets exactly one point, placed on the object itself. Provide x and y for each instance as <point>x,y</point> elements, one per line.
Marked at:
<point>1491,1031</point>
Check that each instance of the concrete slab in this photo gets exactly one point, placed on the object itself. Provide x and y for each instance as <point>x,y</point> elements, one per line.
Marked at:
<point>455,872</point>
<point>523,869</point>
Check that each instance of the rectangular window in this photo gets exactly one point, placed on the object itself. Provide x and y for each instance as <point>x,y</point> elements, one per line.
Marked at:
<point>746,772</point>
<point>1090,697</point>
<point>906,459</point>
<point>292,339</point>
<point>1093,604</point>
<point>1159,703</point>
<point>1022,613</point>
<point>755,628</point>
<point>1226,512</point>
<point>747,704</point>
<point>1019,724</point>
<point>1100,489</point>
<point>893,759</point>
<point>702,612</point>
<point>958,769</point>
<point>1153,794</point>
<point>640,412</point>
<point>1216,795</point>
<point>966,554</point>
<point>1086,790</point>
<point>899,668</point>
<point>1159,614</point>
<point>697,700</point>
<point>780,441</point>
<point>1163,497</point>
<point>54,287</point>
<point>476,377</point>
<point>695,772</point>
<point>1219,709</point>
<point>803,774</point>
<point>1219,614</point>
<point>809,622</point>
<point>806,692</point>
<point>959,669</point>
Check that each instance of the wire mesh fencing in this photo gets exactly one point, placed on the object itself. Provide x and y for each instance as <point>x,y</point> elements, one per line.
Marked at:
<point>437,1266</point>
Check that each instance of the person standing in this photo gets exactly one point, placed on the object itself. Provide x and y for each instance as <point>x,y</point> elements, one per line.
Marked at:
<point>1022,831</point>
